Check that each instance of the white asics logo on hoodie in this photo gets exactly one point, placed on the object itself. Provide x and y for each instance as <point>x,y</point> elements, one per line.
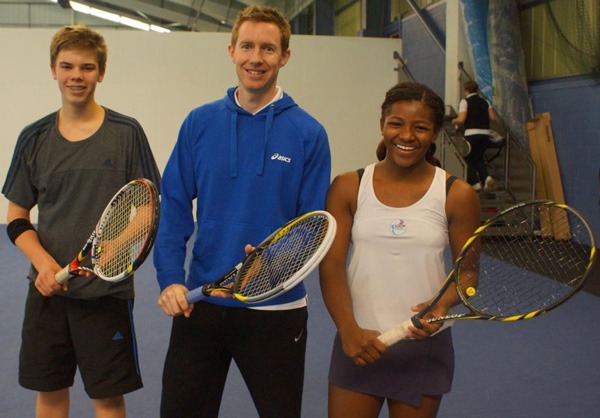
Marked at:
<point>276,156</point>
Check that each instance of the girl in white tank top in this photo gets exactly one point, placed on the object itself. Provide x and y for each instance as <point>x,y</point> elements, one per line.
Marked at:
<point>396,223</point>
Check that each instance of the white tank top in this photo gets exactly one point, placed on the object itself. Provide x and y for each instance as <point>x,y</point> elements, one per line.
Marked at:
<point>397,255</point>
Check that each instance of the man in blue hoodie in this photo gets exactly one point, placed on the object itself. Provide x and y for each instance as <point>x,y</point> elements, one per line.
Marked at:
<point>252,161</point>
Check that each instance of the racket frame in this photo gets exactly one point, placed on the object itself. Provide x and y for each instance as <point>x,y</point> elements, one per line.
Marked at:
<point>461,145</point>
<point>92,247</point>
<point>476,313</point>
<point>396,334</point>
<point>232,280</point>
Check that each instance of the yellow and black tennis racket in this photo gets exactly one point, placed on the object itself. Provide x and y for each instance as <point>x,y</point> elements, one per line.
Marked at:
<point>278,263</point>
<point>521,263</point>
<point>123,236</point>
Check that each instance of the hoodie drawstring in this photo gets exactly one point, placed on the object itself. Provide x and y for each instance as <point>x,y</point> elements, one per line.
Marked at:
<point>233,143</point>
<point>233,146</point>
<point>268,124</point>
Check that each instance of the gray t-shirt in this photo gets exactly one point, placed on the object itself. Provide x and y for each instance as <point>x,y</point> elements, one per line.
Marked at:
<point>72,182</point>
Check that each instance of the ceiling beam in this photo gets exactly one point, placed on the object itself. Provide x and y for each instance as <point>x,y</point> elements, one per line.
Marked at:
<point>145,9</point>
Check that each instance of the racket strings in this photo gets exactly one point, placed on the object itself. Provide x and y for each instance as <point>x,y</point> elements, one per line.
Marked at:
<point>528,261</point>
<point>123,233</point>
<point>269,268</point>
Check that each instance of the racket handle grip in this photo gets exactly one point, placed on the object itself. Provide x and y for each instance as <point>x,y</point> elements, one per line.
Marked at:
<point>396,334</point>
<point>195,295</point>
<point>64,275</point>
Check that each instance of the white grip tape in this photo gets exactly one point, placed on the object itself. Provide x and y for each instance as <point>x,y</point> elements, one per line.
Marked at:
<point>396,334</point>
<point>63,275</point>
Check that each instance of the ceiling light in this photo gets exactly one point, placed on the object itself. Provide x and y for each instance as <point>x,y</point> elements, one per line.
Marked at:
<point>105,15</point>
<point>159,29</point>
<point>81,8</point>
<point>134,23</point>
<point>113,17</point>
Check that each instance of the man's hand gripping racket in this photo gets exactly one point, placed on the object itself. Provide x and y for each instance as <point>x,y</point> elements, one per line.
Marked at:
<point>123,236</point>
<point>523,262</point>
<point>278,263</point>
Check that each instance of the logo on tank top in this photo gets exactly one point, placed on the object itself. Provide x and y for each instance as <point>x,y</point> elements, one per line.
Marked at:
<point>398,227</point>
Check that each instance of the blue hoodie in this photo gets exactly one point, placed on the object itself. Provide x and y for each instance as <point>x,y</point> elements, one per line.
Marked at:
<point>249,174</point>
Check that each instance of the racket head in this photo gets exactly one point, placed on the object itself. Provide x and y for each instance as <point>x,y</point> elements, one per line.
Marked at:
<point>126,231</point>
<point>284,258</point>
<point>462,145</point>
<point>525,261</point>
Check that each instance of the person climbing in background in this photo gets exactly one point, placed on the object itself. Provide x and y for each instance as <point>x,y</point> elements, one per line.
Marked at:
<point>475,113</point>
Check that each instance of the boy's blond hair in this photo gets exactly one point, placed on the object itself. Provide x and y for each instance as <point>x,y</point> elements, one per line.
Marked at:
<point>79,37</point>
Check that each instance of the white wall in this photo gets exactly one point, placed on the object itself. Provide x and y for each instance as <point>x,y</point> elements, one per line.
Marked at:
<point>457,50</point>
<point>159,78</point>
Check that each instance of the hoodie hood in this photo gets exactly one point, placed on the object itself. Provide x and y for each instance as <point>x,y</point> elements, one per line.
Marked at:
<point>266,117</point>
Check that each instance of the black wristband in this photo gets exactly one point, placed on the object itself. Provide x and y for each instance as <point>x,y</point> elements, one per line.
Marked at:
<point>17,227</point>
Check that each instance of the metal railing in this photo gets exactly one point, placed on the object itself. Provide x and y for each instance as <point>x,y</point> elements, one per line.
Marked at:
<point>518,167</point>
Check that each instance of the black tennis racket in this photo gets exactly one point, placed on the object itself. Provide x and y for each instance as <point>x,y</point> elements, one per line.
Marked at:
<point>123,236</point>
<point>278,263</point>
<point>522,263</point>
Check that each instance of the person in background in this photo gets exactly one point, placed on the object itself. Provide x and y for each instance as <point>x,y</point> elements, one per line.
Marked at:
<point>70,164</point>
<point>475,113</point>
<point>397,217</point>
<point>251,162</point>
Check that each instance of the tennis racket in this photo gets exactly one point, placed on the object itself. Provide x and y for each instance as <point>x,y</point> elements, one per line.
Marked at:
<point>278,263</point>
<point>461,144</point>
<point>123,236</point>
<point>521,263</point>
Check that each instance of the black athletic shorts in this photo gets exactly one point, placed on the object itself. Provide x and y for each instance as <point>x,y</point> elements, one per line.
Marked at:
<point>60,334</point>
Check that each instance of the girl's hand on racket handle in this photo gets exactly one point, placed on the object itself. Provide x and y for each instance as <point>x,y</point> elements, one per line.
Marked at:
<point>427,328</point>
<point>172,301</point>
<point>361,345</point>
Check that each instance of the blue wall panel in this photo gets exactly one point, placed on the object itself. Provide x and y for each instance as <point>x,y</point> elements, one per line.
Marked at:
<point>475,16</point>
<point>574,107</point>
<point>424,58</point>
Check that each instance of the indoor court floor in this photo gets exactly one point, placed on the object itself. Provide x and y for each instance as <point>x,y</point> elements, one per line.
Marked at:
<point>547,367</point>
